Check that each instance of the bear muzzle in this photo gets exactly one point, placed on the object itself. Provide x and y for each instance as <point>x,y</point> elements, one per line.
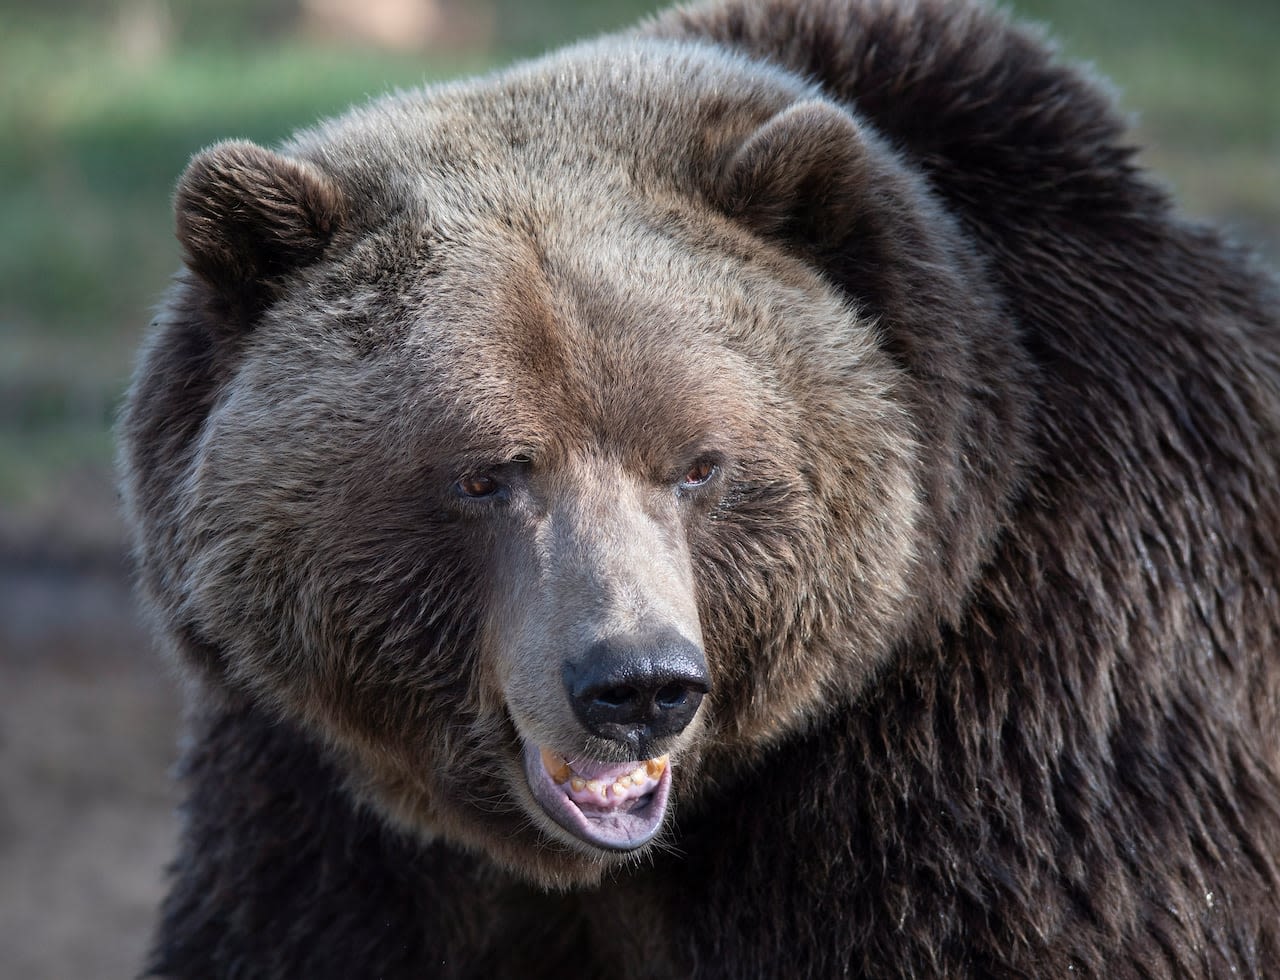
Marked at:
<point>637,691</point>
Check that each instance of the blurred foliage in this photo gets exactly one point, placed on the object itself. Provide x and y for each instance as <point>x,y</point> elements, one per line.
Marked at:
<point>101,104</point>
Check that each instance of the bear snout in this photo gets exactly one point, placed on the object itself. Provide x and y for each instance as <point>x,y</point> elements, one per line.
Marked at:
<point>633,689</point>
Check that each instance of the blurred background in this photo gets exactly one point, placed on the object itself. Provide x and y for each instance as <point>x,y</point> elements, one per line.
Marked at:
<point>101,104</point>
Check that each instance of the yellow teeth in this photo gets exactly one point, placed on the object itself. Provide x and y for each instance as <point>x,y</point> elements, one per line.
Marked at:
<point>654,767</point>
<point>556,766</point>
<point>559,770</point>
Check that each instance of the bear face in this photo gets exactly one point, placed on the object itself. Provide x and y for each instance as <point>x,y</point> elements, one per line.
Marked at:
<point>521,448</point>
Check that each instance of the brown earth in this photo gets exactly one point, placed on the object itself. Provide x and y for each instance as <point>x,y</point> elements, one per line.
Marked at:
<point>88,722</point>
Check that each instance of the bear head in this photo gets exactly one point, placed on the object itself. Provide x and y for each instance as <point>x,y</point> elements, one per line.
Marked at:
<point>549,446</point>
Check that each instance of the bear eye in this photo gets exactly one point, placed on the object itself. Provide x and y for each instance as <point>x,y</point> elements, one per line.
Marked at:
<point>699,474</point>
<point>477,486</point>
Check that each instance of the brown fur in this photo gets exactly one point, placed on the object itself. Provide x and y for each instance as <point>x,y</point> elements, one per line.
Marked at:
<point>986,577</point>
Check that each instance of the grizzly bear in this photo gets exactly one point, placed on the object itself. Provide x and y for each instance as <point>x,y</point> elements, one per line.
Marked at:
<point>776,493</point>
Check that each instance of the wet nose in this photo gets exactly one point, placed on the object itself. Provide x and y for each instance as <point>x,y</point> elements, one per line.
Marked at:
<point>633,689</point>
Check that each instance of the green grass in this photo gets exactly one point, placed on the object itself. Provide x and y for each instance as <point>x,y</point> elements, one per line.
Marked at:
<point>92,139</point>
<point>90,154</point>
<point>1203,81</point>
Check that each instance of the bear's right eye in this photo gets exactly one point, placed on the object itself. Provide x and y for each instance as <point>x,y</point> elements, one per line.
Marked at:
<point>477,486</point>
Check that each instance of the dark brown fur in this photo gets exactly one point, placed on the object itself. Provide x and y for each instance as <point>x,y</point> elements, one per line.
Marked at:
<point>987,583</point>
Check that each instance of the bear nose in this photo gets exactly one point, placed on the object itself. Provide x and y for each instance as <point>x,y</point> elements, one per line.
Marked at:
<point>633,689</point>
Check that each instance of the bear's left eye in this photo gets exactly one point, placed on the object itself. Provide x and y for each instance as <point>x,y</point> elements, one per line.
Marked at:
<point>699,474</point>
<point>477,486</point>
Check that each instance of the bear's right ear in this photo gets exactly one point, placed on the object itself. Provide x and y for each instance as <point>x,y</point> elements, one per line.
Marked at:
<point>247,217</point>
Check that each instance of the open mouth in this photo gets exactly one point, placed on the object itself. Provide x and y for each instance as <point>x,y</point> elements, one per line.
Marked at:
<point>614,805</point>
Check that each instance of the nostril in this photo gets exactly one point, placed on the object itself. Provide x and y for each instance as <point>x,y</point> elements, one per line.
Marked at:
<point>671,696</point>
<point>617,697</point>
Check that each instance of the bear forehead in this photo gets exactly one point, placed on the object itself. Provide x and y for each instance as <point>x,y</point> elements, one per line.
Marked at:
<point>497,341</point>
<point>507,338</point>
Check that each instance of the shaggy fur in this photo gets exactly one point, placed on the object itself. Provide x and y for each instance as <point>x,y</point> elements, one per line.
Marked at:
<point>985,570</point>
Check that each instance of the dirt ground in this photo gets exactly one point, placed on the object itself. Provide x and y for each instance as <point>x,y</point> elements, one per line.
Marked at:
<point>88,726</point>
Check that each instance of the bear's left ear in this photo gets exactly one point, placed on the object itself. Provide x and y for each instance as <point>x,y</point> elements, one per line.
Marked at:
<point>248,217</point>
<point>798,175</point>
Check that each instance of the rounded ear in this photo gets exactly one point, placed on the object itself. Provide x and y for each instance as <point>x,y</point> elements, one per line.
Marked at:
<point>246,217</point>
<point>797,174</point>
